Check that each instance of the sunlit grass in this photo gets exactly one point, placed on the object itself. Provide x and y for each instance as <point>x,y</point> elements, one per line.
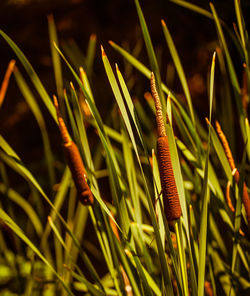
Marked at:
<point>122,244</point>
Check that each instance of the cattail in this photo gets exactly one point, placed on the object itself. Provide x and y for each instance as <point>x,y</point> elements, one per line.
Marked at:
<point>235,172</point>
<point>225,145</point>
<point>169,190</point>
<point>74,161</point>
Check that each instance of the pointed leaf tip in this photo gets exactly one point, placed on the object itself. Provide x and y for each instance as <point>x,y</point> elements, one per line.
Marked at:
<point>207,121</point>
<point>93,36</point>
<point>163,23</point>
<point>50,17</point>
<point>111,42</point>
<point>55,101</point>
<point>117,68</point>
<point>214,56</point>
<point>72,85</point>
<point>103,52</point>
<point>82,71</point>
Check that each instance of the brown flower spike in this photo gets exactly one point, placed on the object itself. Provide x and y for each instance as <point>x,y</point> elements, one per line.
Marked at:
<point>235,172</point>
<point>169,190</point>
<point>74,161</point>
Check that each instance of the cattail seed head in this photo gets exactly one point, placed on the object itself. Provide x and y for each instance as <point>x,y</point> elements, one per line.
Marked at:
<point>169,190</point>
<point>225,145</point>
<point>170,194</point>
<point>74,161</point>
<point>78,172</point>
<point>235,172</point>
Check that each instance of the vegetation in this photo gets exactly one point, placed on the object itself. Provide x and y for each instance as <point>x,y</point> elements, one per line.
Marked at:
<point>73,236</point>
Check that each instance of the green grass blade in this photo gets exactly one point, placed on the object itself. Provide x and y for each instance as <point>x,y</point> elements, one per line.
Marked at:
<point>209,15</point>
<point>32,74</point>
<point>232,73</point>
<point>240,22</point>
<point>27,208</point>
<point>90,54</point>
<point>58,203</point>
<point>147,73</point>
<point>179,68</point>
<point>89,287</point>
<point>86,84</point>
<point>56,61</point>
<point>193,7</point>
<point>56,232</point>
<point>41,123</point>
<point>205,198</point>
<point>129,102</point>
<point>151,54</point>
<point>247,138</point>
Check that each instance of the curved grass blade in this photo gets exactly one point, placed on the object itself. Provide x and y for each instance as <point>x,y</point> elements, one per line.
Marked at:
<point>179,68</point>
<point>32,74</point>
<point>27,208</point>
<point>209,15</point>
<point>151,54</point>
<point>41,123</point>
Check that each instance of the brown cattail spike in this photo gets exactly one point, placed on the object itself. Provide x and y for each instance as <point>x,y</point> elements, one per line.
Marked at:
<point>169,190</point>
<point>74,161</point>
<point>159,117</point>
<point>225,145</point>
<point>235,172</point>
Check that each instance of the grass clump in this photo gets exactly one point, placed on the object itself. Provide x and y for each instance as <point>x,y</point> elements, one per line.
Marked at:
<point>176,226</point>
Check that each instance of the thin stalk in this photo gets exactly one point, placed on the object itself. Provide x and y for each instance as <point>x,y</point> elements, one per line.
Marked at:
<point>180,247</point>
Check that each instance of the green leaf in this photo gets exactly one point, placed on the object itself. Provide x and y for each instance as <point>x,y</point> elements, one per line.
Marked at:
<point>205,197</point>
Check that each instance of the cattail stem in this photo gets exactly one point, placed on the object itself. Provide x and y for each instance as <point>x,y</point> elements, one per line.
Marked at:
<point>169,190</point>
<point>235,172</point>
<point>74,161</point>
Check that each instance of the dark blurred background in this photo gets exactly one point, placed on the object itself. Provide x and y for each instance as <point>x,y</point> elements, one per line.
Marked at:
<point>25,21</point>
